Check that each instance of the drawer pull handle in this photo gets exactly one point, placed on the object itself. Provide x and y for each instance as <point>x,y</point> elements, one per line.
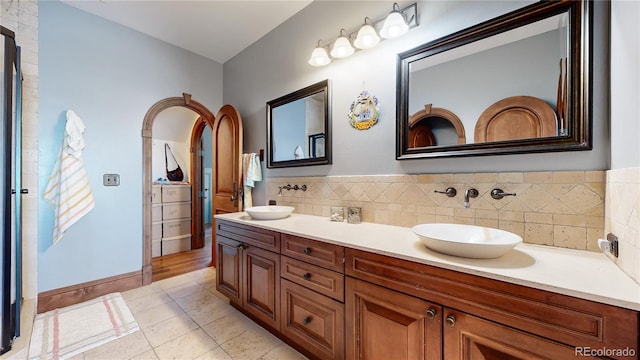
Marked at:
<point>450,321</point>
<point>307,276</point>
<point>431,313</point>
<point>307,320</point>
<point>307,251</point>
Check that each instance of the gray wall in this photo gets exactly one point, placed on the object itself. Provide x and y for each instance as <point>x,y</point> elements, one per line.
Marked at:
<point>277,64</point>
<point>625,84</point>
<point>110,76</point>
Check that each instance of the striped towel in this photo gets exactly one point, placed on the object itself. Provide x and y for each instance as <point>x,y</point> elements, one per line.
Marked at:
<point>68,191</point>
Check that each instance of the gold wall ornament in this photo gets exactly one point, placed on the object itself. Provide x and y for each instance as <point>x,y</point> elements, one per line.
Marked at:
<point>364,111</point>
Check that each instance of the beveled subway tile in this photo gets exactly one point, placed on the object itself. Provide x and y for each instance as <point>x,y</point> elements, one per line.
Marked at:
<point>510,177</point>
<point>541,234</point>
<point>568,177</point>
<point>570,237</point>
<point>188,346</point>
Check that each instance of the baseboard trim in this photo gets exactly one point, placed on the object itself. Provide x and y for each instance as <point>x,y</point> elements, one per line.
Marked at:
<point>74,294</point>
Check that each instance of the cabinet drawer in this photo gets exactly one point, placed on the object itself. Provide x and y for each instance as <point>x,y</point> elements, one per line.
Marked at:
<point>324,281</point>
<point>176,244</point>
<point>176,211</point>
<point>314,322</point>
<point>156,230</point>
<point>563,318</point>
<point>156,212</point>
<point>156,194</point>
<point>262,238</point>
<point>329,256</point>
<point>176,193</point>
<point>171,228</point>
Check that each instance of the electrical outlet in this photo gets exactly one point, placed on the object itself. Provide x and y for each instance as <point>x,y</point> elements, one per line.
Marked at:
<point>110,179</point>
<point>613,247</point>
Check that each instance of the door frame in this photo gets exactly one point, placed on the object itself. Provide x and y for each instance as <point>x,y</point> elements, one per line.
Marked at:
<point>147,130</point>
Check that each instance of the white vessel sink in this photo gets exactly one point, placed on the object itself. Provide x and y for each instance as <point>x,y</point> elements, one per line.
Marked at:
<point>468,241</point>
<point>269,212</point>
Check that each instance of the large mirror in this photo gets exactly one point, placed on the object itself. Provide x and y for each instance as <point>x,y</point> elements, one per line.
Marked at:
<point>298,128</point>
<point>517,83</point>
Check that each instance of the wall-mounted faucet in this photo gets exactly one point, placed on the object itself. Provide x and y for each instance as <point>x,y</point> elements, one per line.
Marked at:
<point>450,192</point>
<point>469,193</point>
<point>499,194</point>
<point>289,187</point>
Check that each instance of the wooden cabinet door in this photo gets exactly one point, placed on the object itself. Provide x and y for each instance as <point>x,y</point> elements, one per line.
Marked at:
<point>313,321</point>
<point>385,324</point>
<point>261,280</point>
<point>467,337</point>
<point>228,269</point>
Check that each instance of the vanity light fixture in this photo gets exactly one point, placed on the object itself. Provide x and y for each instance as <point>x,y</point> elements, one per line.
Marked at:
<point>368,35</point>
<point>342,47</point>
<point>319,56</point>
<point>395,24</point>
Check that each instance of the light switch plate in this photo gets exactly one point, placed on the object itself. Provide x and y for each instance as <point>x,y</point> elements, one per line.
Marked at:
<point>111,179</point>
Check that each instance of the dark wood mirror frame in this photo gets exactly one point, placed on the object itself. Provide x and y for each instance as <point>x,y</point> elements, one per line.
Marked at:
<point>320,87</point>
<point>578,110</point>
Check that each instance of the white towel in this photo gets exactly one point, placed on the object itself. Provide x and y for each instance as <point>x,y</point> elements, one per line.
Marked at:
<point>68,191</point>
<point>252,172</point>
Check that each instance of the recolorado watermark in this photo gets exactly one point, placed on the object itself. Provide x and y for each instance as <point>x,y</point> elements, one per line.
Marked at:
<point>598,352</point>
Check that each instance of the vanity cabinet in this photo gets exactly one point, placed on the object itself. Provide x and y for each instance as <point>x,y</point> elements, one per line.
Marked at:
<point>480,318</point>
<point>336,302</point>
<point>248,270</point>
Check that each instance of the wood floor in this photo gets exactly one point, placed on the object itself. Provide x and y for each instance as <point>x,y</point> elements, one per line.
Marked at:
<point>181,263</point>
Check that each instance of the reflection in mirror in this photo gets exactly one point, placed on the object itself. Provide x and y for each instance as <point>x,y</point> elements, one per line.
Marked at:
<point>512,84</point>
<point>298,128</point>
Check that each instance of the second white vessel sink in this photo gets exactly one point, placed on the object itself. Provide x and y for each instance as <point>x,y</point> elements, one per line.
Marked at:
<point>269,212</point>
<point>470,241</point>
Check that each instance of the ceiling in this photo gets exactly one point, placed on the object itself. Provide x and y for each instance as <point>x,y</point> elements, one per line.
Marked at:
<point>216,29</point>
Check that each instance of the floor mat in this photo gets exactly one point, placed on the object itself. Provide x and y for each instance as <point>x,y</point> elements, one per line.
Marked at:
<point>65,332</point>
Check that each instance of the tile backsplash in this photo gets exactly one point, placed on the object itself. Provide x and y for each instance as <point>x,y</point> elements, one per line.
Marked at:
<point>622,217</point>
<point>564,209</point>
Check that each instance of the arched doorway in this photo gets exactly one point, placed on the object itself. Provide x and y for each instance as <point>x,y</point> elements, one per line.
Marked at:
<point>206,118</point>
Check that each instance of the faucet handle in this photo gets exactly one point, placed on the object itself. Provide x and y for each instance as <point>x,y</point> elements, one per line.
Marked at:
<point>450,192</point>
<point>499,194</point>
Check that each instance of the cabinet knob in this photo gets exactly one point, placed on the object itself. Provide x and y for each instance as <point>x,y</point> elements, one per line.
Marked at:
<point>431,313</point>
<point>241,247</point>
<point>450,321</point>
<point>307,251</point>
<point>307,320</point>
<point>307,276</point>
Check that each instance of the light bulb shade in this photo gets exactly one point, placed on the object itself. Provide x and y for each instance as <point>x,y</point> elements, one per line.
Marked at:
<point>394,26</point>
<point>342,48</point>
<point>367,37</point>
<point>319,57</point>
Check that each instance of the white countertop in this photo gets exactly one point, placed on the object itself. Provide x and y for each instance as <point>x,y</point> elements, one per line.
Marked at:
<point>578,273</point>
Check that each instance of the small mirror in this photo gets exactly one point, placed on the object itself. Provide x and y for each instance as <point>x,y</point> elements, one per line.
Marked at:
<point>514,84</point>
<point>298,128</point>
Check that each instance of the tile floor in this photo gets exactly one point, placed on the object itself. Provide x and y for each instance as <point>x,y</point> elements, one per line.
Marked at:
<point>184,317</point>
